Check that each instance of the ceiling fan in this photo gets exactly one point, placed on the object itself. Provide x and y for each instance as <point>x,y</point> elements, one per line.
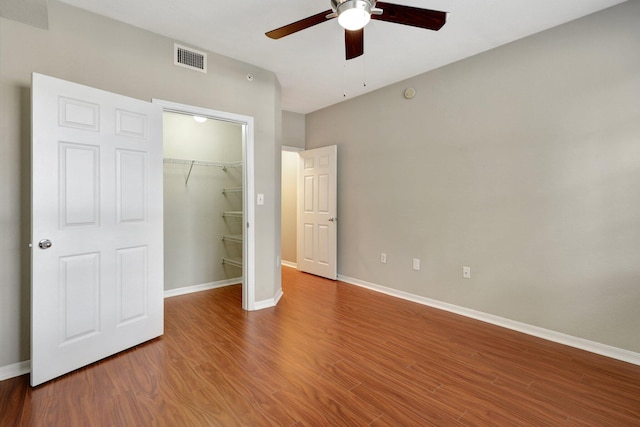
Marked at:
<point>353,15</point>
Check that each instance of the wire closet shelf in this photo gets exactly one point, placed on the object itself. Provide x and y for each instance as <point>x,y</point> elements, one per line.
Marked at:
<point>192,163</point>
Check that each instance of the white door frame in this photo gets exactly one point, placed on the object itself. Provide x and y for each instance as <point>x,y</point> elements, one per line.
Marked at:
<point>248,184</point>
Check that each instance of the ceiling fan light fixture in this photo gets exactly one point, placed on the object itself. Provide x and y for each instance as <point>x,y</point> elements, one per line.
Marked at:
<point>354,14</point>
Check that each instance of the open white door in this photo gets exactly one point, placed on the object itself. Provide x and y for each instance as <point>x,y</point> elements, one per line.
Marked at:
<point>317,210</point>
<point>97,257</point>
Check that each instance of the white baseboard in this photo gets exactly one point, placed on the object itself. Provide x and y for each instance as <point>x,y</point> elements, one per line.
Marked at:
<point>15,370</point>
<point>21,368</point>
<point>267,303</point>
<point>259,305</point>
<point>547,334</point>
<point>289,264</point>
<point>276,299</point>
<point>202,287</point>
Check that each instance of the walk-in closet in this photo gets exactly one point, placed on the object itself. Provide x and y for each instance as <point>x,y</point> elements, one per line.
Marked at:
<point>203,196</point>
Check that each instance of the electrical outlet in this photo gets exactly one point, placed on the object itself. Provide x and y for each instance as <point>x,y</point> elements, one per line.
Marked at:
<point>383,258</point>
<point>416,264</point>
<point>466,272</point>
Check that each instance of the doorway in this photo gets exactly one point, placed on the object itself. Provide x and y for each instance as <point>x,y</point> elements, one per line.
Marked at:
<point>208,165</point>
<point>289,209</point>
<point>309,210</point>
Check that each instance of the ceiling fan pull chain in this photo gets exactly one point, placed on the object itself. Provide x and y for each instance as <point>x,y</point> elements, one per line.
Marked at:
<point>344,80</point>
<point>364,72</point>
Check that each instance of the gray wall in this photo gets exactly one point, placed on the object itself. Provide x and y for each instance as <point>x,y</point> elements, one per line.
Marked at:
<point>293,129</point>
<point>293,137</point>
<point>109,55</point>
<point>522,162</point>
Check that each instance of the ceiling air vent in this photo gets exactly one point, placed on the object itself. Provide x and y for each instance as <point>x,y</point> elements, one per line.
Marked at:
<point>190,58</point>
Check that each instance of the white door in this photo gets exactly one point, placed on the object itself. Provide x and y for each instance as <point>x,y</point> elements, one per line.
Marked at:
<point>97,256</point>
<point>317,212</point>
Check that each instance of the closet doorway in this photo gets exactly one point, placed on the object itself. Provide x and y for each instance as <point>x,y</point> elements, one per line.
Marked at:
<point>208,216</point>
<point>289,208</point>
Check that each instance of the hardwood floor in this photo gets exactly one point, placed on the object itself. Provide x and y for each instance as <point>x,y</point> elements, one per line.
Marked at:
<point>331,354</point>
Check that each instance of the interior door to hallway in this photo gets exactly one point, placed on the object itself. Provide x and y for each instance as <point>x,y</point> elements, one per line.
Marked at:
<point>317,212</point>
<point>97,225</point>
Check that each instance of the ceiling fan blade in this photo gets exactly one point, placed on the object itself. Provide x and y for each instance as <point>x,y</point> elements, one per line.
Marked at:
<point>299,25</point>
<point>408,15</point>
<point>354,43</point>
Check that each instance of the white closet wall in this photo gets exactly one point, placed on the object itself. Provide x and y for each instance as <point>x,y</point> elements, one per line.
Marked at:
<point>194,201</point>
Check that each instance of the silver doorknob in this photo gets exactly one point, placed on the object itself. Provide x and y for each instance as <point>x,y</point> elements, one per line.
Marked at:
<point>45,244</point>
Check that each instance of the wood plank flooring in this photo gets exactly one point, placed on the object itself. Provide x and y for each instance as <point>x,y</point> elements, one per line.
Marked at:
<point>331,354</point>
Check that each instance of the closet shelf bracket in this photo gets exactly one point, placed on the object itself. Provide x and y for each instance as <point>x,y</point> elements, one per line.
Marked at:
<point>186,181</point>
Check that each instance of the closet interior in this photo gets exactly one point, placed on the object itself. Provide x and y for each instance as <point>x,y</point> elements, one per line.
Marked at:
<point>203,196</point>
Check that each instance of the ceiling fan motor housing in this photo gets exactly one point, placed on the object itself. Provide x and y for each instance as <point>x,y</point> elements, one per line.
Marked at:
<point>340,6</point>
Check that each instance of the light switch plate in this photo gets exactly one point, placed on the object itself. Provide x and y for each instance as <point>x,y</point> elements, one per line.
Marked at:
<point>260,200</point>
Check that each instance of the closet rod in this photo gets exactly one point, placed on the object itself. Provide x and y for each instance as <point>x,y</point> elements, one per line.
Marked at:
<point>201,163</point>
<point>191,163</point>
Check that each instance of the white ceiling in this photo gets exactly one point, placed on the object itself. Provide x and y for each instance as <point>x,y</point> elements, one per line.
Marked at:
<point>310,64</point>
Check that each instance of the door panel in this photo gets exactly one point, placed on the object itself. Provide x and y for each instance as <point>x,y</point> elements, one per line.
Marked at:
<point>317,208</point>
<point>79,114</point>
<point>308,242</point>
<point>324,238</point>
<point>79,178</point>
<point>323,194</point>
<point>309,198</point>
<point>131,176</point>
<point>79,296</point>
<point>131,124</point>
<point>97,288</point>
<point>131,282</point>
